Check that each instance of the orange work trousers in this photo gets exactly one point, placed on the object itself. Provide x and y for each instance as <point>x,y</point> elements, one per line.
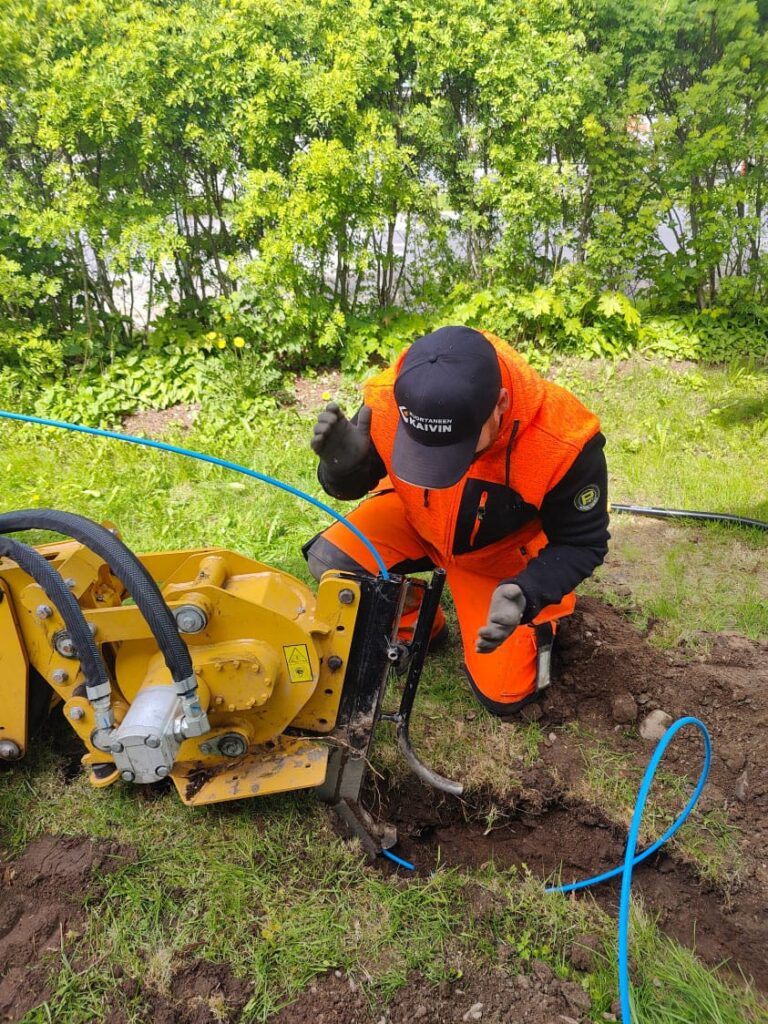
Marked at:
<point>501,679</point>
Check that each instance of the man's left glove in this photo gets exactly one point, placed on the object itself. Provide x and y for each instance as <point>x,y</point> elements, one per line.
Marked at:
<point>504,614</point>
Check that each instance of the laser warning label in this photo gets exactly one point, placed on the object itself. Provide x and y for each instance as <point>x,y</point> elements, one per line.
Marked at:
<point>297,660</point>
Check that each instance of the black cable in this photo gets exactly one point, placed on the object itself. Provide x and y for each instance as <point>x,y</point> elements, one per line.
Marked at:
<point>124,565</point>
<point>679,513</point>
<point>59,594</point>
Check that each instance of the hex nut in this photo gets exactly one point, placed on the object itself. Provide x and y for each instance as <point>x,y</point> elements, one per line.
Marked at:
<point>347,596</point>
<point>162,771</point>
<point>152,741</point>
<point>335,663</point>
<point>76,714</point>
<point>127,775</point>
<point>60,676</point>
<point>43,611</point>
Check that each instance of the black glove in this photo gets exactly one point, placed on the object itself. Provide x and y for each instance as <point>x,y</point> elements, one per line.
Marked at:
<point>341,445</point>
<point>504,614</point>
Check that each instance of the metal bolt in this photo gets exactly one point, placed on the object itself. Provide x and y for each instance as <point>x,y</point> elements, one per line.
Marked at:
<point>232,745</point>
<point>62,642</point>
<point>205,748</point>
<point>127,775</point>
<point>347,596</point>
<point>152,741</point>
<point>43,611</point>
<point>190,618</point>
<point>117,748</point>
<point>76,714</point>
<point>162,770</point>
<point>60,676</point>
<point>9,750</point>
<point>334,662</point>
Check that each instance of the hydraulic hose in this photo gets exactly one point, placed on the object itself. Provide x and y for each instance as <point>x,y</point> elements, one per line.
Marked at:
<point>97,684</point>
<point>679,513</point>
<point>126,567</point>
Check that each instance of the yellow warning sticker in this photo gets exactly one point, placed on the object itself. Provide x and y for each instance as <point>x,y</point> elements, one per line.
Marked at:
<point>297,660</point>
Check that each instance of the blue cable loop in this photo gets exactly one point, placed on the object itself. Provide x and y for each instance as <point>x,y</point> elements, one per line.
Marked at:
<point>630,858</point>
<point>201,457</point>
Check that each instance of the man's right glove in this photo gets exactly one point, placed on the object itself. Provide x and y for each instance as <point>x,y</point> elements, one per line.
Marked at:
<point>504,614</point>
<point>341,445</point>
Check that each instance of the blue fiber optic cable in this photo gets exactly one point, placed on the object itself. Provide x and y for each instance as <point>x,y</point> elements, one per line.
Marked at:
<point>202,457</point>
<point>630,857</point>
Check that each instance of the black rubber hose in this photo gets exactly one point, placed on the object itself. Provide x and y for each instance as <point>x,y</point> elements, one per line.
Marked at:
<point>679,513</point>
<point>124,565</point>
<point>59,594</point>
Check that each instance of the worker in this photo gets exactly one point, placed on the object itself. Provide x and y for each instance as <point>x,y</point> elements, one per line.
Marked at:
<point>476,464</point>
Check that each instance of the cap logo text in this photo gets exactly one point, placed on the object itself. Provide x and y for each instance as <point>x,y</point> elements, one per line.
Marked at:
<point>430,424</point>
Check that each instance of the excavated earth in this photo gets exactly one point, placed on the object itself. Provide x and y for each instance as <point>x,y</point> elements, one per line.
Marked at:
<point>602,662</point>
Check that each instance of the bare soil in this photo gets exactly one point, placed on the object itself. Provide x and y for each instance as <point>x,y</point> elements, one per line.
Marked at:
<point>155,422</point>
<point>492,997</point>
<point>600,658</point>
<point>41,910</point>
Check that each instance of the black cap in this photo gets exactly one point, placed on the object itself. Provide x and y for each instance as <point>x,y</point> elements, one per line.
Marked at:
<point>447,387</point>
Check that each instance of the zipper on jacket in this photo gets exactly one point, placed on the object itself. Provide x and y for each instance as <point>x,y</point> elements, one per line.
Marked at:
<point>479,517</point>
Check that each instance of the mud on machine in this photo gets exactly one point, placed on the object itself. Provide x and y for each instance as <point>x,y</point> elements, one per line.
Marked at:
<point>229,676</point>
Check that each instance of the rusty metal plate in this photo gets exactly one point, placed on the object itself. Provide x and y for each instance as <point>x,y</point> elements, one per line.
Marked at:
<point>287,764</point>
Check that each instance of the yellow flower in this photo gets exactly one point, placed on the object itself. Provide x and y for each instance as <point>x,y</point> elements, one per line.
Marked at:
<point>227,317</point>
<point>239,342</point>
<point>221,343</point>
<point>211,335</point>
<point>326,396</point>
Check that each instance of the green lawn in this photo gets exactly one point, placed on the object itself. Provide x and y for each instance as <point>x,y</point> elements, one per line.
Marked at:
<point>266,886</point>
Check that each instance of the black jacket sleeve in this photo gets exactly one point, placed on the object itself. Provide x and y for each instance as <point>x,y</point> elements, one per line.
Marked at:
<point>357,483</point>
<point>574,516</point>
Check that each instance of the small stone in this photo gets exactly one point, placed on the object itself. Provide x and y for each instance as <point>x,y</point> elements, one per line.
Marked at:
<point>624,708</point>
<point>475,1012</point>
<point>735,759</point>
<point>643,698</point>
<point>654,726</point>
<point>419,1012</point>
<point>337,974</point>
<point>742,787</point>
<point>352,985</point>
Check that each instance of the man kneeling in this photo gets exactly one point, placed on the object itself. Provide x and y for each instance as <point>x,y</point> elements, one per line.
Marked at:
<point>476,464</point>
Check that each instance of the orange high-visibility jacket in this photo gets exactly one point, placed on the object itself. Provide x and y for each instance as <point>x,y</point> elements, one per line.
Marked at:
<point>543,434</point>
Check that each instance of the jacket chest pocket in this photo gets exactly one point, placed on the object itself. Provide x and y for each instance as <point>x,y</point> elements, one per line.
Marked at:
<point>488,512</point>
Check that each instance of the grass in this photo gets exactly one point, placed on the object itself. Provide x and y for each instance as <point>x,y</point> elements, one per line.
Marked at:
<point>611,780</point>
<point>266,886</point>
<point>686,437</point>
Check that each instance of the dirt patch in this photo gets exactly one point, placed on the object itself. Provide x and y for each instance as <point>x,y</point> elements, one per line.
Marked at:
<point>310,391</point>
<point>490,997</point>
<point>609,680</point>
<point>156,422</point>
<point>199,993</point>
<point>41,910</point>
